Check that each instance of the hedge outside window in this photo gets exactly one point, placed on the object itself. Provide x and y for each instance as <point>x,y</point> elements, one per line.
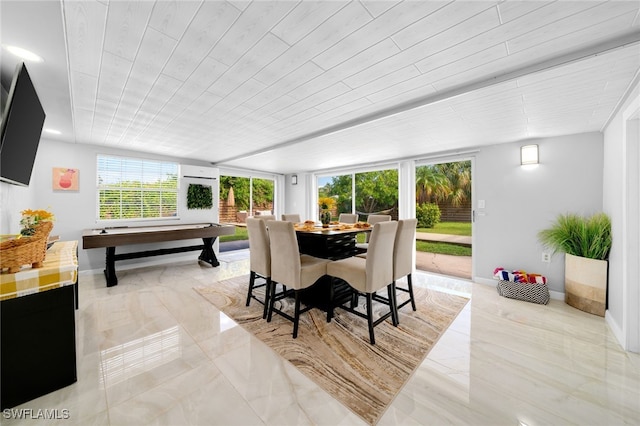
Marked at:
<point>134,188</point>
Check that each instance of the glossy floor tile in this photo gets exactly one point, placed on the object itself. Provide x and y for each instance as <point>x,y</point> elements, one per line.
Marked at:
<point>153,351</point>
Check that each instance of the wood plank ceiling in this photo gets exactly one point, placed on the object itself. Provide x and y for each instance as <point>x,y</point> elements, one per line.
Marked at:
<point>291,86</point>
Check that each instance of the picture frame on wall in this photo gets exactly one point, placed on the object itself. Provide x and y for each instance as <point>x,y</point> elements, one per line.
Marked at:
<point>65,179</point>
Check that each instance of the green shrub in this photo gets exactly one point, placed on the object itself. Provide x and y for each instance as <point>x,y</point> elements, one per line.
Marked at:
<point>428,215</point>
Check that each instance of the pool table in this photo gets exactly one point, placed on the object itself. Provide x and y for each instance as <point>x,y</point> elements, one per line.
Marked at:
<point>112,237</point>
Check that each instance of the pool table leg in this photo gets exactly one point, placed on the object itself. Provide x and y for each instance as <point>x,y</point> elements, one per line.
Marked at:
<point>207,254</point>
<point>110,267</point>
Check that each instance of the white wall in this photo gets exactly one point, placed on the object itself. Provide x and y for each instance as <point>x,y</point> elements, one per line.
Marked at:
<point>520,202</point>
<point>615,181</point>
<point>13,199</point>
<point>76,211</point>
<point>296,196</point>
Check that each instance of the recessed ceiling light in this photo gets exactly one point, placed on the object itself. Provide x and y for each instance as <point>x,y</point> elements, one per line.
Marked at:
<point>24,53</point>
<point>53,131</point>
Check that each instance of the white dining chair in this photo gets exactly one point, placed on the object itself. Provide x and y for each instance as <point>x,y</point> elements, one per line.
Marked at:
<point>264,217</point>
<point>259,261</point>
<point>367,276</point>
<point>404,259</point>
<point>372,219</point>
<point>347,218</point>
<point>291,217</point>
<point>291,269</point>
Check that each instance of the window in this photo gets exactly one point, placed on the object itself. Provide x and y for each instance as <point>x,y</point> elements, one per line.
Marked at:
<point>245,196</point>
<point>134,188</point>
<point>374,192</point>
<point>340,188</point>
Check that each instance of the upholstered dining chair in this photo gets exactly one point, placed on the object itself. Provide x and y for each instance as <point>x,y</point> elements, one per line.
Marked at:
<point>259,261</point>
<point>372,219</point>
<point>367,276</point>
<point>265,217</point>
<point>347,218</point>
<point>403,258</point>
<point>291,269</point>
<point>292,217</point>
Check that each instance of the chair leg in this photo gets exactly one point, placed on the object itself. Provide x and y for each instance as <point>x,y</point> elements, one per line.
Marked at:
<point>272,290</point>
<point>410,287</point>
<point>267,296</point>
<point>372,338</point>
<point>296,315</point>
<point>331,295</point>
<point>391,295</point>
<point>252,280</point>
<point>354,299</point>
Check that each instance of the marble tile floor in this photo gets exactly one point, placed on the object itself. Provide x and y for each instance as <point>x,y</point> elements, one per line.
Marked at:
<point>153,351</point>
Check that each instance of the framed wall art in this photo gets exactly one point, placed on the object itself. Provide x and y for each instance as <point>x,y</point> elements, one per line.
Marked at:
<point>65,179</point>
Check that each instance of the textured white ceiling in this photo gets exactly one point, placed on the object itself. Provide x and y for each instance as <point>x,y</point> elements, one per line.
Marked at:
<point>293,86</point>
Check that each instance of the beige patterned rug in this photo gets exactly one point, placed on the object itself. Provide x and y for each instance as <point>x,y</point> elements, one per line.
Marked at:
<point>338,356</point>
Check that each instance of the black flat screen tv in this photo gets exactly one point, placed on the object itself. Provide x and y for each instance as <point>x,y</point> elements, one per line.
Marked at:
<point>22,123</point>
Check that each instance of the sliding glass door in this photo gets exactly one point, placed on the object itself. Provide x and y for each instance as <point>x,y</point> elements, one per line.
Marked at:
<point>364,193</point>
<point>241,197</point>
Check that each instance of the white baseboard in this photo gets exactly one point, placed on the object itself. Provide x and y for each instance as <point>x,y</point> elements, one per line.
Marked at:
<point>556,295</point>
<point>615,329</point>
<point>485,281</point>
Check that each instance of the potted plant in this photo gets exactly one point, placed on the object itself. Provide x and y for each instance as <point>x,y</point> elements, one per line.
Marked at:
<point>326,204</point>
<point>586,242</point>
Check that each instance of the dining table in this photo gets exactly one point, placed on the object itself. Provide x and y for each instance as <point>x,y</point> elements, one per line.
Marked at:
<point>334,242</point>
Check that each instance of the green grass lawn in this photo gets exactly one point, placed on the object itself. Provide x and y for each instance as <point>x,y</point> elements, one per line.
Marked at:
<point>443,248</point>
<point>241,234</point>
<point>451,228</point>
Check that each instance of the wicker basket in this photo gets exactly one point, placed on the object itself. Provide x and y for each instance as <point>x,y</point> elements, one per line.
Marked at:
<point>26,250</point>
<point>534,293</point>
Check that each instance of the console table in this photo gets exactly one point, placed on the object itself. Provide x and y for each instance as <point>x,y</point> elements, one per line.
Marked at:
<point>37,327</point>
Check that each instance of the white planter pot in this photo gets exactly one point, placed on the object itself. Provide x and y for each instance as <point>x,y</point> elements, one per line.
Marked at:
<point>585,284</point>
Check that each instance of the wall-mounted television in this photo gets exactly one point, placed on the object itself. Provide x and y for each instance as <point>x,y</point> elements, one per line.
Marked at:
<point>22,121</point>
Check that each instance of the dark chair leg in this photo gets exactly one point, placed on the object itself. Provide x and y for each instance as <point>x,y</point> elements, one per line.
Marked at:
<point>296,315</point>
<point>271,290</point>
<point>330,307</point>
<point>267,296</point>
<point>410,287</point>
<point>354,299</point>
<point>252,280</point>
<point>372,338</point>
<point>391,295</point>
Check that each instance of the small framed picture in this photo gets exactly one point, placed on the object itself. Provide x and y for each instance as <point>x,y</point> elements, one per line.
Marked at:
<point>65,179</point>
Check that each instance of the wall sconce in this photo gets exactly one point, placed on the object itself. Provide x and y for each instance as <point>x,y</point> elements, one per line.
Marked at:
<point>294,179</point>
<point>529,155</point>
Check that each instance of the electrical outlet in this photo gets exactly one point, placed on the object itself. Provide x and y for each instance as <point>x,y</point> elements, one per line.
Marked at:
<point>546,257</point>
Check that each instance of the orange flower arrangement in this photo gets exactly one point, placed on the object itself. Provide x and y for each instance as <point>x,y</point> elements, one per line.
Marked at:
<point>31,218</point>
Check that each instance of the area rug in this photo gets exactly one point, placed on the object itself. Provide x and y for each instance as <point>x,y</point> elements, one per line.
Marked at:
<point>337,355</point>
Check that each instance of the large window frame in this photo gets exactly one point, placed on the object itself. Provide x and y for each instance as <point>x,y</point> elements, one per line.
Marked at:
<point>136,189</point>
<point>353,172</point>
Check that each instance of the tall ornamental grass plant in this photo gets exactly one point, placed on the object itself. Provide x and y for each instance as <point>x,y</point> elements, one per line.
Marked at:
<point>577,235</point>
